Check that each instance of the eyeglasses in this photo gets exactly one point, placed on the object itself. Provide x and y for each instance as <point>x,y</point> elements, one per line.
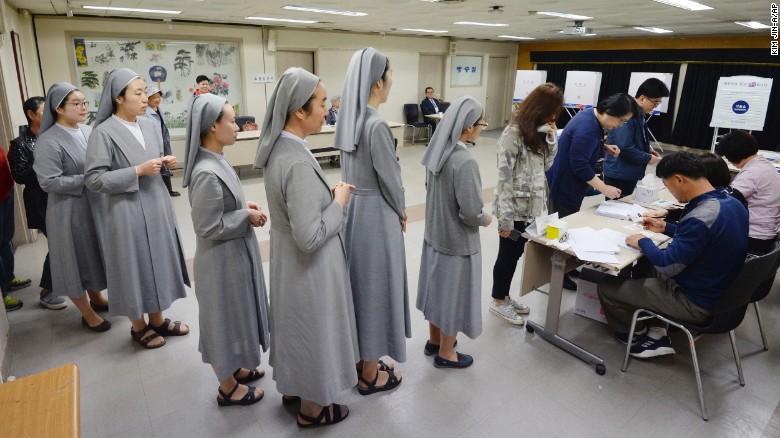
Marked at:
<point>655,102</point>
<point>623,121</point>
<point>481,124</point>
<point>84,104</point>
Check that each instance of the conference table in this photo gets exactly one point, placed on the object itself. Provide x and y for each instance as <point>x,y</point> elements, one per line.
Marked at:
<point>545,263</point>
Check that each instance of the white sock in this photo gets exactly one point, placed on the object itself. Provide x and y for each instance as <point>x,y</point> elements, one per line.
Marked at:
<point>656,332</point>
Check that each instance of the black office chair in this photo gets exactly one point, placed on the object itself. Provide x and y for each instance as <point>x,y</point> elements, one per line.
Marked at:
<point>727,316</point>
<point>443,106</point>
<point>761,292</point>
<point>412,114</point>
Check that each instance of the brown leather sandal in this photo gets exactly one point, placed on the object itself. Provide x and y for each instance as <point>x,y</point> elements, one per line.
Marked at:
<point>144,341</point>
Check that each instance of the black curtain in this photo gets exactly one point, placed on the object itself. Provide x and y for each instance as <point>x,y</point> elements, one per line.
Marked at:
<point>698,99</point>
<point>615,79</point>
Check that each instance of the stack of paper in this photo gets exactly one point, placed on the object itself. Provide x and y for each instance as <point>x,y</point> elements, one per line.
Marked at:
<point>594,246</point>
<point>621,210</point>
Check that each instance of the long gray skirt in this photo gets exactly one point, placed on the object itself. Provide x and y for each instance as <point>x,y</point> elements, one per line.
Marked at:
<point>449,292</point>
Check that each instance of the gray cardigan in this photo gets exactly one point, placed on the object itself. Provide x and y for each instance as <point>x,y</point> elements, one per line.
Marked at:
<point>454,206</point>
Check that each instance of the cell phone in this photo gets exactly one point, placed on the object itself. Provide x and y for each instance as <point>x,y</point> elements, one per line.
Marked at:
<point>514,235</point>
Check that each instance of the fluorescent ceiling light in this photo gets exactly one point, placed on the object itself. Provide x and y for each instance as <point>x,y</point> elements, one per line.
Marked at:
<point>562,15</point>
<point>752,24</point>
<point>685,4</point>
<point>477,23</point>
<point>589,34</point>
<point>285,20</point>
<point>148,11</point>
<point>425,30</point>
<point>512,37</point>
<point>653,29</point>
<point>324,11</point>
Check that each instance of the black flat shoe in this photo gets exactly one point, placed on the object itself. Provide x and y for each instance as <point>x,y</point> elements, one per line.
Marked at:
<point>102,327</point>
<point>431,349</point>
<point>248,399</point>
<point>174,193</point>
<point>251,377</point>
<point>568,283</point>
<point>464,361</point>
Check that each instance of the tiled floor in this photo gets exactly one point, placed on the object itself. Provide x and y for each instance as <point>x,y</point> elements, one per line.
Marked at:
<point>519,385</point>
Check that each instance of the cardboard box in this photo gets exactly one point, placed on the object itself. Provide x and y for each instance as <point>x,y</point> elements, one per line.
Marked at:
<point>587,303</point>
<point>645,194</point>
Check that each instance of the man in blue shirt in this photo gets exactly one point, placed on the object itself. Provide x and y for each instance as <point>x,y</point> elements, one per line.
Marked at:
<point>626,169</point>
<point>706,255</point>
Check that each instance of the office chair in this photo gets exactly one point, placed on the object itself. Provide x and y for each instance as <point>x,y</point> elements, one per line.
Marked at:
<point>443,106</point>
<point>761,292</point>
<point>727,316</point>
<point>412,114</point>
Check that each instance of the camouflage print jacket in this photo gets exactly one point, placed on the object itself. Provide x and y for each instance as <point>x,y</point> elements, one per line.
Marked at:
<point>522,191</point>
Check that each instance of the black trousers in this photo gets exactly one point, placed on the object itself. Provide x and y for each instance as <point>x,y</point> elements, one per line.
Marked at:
<point>46,273</point>
<point>758,246</point>
<point>167,181</point>
<point>626,186</point>
<point>509,252</point>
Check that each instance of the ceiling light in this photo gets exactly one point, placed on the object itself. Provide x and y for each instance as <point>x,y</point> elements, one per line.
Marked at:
<point>425,30</point>
<point>148,11</point>
<point>589,34</point>
<point>685,4</point>
<point>752,24</point>
<point>653,29</point>
<point>324,11</point>
<point>477,23</point>
<point>562,15</point>
<point>512,37</point>
<point>285,20</point>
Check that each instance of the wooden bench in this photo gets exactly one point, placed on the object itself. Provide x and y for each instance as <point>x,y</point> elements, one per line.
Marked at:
<point>45,404</point>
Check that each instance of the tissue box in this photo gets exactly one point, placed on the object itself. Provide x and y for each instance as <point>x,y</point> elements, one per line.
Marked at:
<point>555,229</point>
<point>646,194</point>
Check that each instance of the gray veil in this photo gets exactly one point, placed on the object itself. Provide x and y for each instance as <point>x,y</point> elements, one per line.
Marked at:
<point>365,69</point>
<point>204,111</point>
<point>118,79</point>
<point>293,89</point>
<point>464,112</point>
<point>57,93</point>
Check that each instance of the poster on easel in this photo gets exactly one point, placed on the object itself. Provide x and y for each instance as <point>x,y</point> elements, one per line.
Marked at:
<point>582,89</point>
<point>526,81</point>
<point>741,103</point>
<point>637,78</point>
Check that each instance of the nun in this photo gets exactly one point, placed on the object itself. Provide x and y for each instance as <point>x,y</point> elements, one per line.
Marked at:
<point>73,217</point>
<point>229,282</point>
<point>153,112</point>
<point>312,321</point>
<point>375,221</point>
<point>144,261</point>
<point>450,285</point>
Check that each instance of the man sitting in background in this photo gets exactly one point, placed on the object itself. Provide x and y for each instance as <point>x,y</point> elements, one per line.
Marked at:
<point>706,255</point>
<point>430,105</point>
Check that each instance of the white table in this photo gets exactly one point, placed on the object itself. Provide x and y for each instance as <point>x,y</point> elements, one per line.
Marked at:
<point>547,264</point>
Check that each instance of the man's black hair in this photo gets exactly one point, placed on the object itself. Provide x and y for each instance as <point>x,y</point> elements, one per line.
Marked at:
<point>682,163</point>
<point>652,88</point>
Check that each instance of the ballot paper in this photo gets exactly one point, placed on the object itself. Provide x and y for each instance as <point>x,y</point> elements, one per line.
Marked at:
<point>597,257</point>
<point>621,210</point>
<point>616,237</point>
<point>587,239</point>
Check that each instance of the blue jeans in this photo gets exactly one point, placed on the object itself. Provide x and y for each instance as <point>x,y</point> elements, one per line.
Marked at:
<point>6,235</point>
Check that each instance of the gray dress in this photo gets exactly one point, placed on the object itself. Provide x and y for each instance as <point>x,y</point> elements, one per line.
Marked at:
<point>144,261</point>
<point>449,291</point>
<point>313,343</point>
<point>375,242</point>
<point>73,213</point>
<point>229,282</point>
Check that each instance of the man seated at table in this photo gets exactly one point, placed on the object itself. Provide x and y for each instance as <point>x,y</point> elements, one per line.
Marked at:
<point>694,271</point>
<point>430,105</point>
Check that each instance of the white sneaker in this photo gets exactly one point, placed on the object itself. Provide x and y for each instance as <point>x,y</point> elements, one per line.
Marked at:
<point>507,313</point>
<point>520,309</point>
<point>51,301</point>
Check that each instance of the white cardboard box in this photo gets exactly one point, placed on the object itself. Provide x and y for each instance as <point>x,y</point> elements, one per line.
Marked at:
<point>645,194</point>
<point>587,303</point>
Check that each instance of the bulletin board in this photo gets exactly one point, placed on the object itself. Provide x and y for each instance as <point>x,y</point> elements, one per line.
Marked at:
<point>466,71</point>
<point>741,102</point>
<point>171,65</point>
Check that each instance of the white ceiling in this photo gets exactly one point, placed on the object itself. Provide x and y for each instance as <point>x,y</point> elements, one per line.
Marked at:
<point>612,19</point>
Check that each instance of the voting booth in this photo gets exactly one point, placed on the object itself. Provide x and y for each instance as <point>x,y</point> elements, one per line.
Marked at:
<point>526,81</point>
<point>581,91</point>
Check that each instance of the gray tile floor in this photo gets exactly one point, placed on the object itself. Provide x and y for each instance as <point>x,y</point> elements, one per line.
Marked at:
<point>519,384</point>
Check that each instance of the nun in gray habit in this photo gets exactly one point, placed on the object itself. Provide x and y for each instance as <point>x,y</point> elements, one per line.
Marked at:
<point>144,261</point>
<point>73,213</point>
<point>450,286</point>
<point>313,338</point>
<point>229,282</point>
<point>374,218</point>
